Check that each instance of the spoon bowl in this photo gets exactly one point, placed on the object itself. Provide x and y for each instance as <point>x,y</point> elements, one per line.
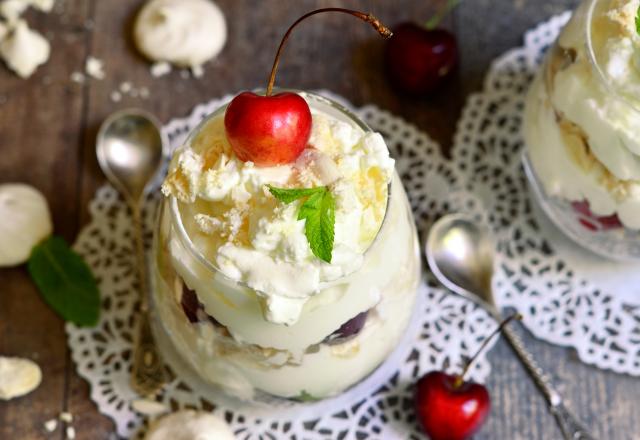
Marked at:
<point>129,150</point>
<point>460,254</point>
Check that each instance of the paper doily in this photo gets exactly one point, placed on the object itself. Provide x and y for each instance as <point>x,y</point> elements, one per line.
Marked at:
<point>566,296</point>
<point>444,330</point>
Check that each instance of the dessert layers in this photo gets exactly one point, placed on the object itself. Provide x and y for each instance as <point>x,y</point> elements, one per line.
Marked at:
<point>231,345</point>
<point>580,119</point>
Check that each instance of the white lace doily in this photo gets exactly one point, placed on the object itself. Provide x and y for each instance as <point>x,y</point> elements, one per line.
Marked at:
<point>567,297</point>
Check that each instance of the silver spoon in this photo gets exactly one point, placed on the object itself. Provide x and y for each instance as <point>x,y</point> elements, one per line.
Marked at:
<point>129,150</point>
<point>460,254</point>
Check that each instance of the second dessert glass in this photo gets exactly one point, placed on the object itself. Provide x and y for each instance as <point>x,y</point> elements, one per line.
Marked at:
<point>580,125</point>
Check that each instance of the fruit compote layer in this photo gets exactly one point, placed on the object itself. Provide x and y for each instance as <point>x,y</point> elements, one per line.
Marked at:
<point>237,289</point>
<point>582,113</point>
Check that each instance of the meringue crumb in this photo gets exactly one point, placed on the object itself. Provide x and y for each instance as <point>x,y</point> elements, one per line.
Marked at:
<point>149,407</point>
<point>144,92</point>
<point>125,87</point>
<point>70,433</point>
<point>50,425</point>
<point>94,67</point>
<point>160,69</point>
<point>78,77</point>
<point>66,417</point>
<point>197,71</point>
<point>116,96</point>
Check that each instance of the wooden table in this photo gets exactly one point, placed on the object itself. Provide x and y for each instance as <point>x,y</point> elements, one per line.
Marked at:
<point>47,134</point>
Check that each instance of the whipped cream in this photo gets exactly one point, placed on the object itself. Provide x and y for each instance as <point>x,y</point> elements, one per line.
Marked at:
<point>253,238</point>
<point>186,33</point>
<point>582,136</point>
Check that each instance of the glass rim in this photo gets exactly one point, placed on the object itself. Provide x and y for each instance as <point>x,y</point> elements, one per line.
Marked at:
<point>593,59</point>
<point>176,218</point>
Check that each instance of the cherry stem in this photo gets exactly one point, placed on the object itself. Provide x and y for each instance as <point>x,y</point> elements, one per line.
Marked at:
<point>460,379</point>
<point>369,18</point>
<point>444,10</point>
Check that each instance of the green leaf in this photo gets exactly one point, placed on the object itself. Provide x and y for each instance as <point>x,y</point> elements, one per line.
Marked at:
<point>318,212</point>
<point>638,21</point>
<point>311,207</point>
<point>289,195</point>
<point>306,397</point>
<point>65,281</point>
<point>319,215</point>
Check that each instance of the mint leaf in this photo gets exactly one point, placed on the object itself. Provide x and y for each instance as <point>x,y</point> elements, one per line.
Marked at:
<point>638,21</point>
<point>289,195</point>
<point>306,397</point>
<point>318,212</point>
<point>65,281</point>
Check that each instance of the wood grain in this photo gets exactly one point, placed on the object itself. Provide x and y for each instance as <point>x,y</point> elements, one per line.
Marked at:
<point>47,133</point>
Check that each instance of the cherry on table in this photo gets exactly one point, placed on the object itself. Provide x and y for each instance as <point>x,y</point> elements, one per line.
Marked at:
<point>419,58</point>
<point>450,408</point>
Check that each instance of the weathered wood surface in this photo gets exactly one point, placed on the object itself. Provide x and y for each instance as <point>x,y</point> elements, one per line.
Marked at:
<point>47,133</point>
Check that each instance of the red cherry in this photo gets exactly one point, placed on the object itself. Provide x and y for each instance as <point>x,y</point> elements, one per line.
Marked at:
<point>268,130</point>
<point>450,409</point>
<point>419,60</point>
<point>602,223</point>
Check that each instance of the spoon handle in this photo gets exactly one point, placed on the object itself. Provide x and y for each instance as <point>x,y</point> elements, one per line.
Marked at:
<point>148,375</point>
<point>571,428</point>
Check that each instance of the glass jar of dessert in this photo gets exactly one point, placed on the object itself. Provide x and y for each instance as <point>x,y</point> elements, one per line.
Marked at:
<point>581,122</point>
<point>238,294</point>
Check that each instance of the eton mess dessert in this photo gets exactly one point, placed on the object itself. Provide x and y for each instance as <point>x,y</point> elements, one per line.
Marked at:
<point>581,121</point>
<point>238,289</point>
<point>286,259</point>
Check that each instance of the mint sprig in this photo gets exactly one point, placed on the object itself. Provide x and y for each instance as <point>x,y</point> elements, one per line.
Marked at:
<point>638,21</point>
<point>318,212</point>
<point>65,281</point>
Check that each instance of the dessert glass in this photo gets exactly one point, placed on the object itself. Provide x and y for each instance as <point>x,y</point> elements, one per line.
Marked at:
<point>216,327</point>
<point>582,158</point>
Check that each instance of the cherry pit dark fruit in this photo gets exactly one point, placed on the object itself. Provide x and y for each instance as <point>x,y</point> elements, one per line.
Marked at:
<point>419,58</point>
<point>272,129</point>
<point>595,222</point>
<point>450,408</point>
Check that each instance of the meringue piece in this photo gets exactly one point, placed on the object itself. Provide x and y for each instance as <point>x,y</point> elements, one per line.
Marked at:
<point>160,68</point>
<point>24,49</point>
<point>18,377</point>
<point>148,407</point>
<point>190,425</point>
<point>94,68</point>
<point>11,10</point>
<point>50,425</point>
<point>316,167</point>
<point>186,33</point>
<point>25,222</point>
